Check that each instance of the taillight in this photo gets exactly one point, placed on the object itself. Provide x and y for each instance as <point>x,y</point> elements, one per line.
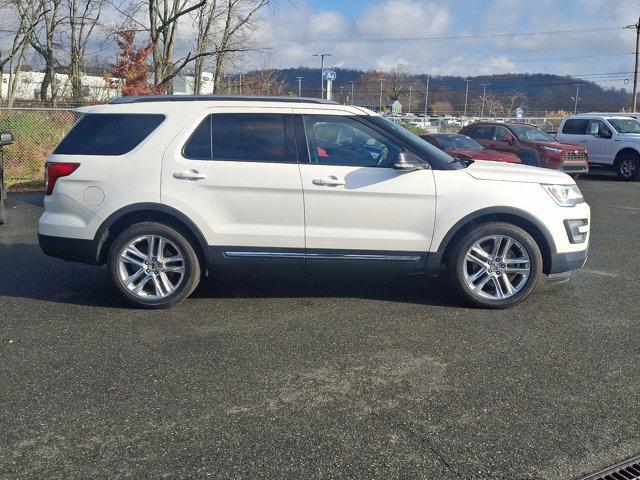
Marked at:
<point>54,170</point>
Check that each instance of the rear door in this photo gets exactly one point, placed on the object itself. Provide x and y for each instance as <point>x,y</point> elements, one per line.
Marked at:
<point>234,172</point>
<point>360,212</point>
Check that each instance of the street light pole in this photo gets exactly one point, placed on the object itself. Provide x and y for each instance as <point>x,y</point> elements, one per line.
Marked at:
<point>426,97</point>
<point>322,55</point>
<point>575,105</point>
<point>380,107</point>
<point>353,92</point>
<point>410,97</point>
<point>299,86</point>
<point>466,97</point>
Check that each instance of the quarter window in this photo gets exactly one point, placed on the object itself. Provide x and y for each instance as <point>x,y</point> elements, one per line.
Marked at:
<point>341,140</point>
<point>575,126</point>
<point>108,134</point>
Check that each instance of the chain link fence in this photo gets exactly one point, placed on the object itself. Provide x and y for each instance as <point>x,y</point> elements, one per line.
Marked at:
<point>36,133</point>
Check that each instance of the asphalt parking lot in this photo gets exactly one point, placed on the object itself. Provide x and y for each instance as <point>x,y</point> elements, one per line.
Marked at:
<point>319,376</point>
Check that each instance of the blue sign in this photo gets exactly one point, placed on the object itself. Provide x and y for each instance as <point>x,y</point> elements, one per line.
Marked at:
<point>329,75</point>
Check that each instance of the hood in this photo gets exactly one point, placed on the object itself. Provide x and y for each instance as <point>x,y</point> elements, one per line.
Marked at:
<point>632,137</point>
<point>510,172</point>
<point>565,146</point>
<point>483,155</point>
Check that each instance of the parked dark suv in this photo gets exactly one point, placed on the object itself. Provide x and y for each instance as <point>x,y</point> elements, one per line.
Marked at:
<point>534,146</point>
<point>5,139</point>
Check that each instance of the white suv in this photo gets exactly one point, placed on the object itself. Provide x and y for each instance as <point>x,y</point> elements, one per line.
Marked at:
<point>165,190</point>
<point>611,139</point>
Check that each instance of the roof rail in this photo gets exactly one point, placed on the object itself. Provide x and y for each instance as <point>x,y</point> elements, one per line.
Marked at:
<point>218,98</point>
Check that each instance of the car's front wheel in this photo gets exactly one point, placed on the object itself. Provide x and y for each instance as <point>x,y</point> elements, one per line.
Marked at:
<point>495,265</point>
<point>153,265</point>
<point>628,166</point>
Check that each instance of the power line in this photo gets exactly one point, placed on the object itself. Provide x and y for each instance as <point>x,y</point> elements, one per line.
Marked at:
<point>444,38</point>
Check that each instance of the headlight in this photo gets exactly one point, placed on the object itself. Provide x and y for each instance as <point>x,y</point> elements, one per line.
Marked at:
<point>565,195</point>
<point>551,149</point>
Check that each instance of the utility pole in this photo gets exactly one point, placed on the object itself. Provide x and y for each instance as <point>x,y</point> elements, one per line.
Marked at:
<point>575,105</point>
<point>426,97</point>
<point>322,55</point>
<point>380,107</point>
<point>484,95</point>
<point>240,84</point>
<point>634,95</point>
<point>466,97</point>
<point>299,86</point>
<point>410,97</point>
<point>353,92</point>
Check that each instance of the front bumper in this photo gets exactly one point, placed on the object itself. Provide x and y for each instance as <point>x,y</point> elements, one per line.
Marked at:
<point>567,262</point>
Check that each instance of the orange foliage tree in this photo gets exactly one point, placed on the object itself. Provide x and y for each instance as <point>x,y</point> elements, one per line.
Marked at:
<point>131,70</point>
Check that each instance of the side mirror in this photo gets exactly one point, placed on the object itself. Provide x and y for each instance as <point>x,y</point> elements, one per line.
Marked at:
<point>508,138</point>
<point>6,138</point>
<point>408,162</point>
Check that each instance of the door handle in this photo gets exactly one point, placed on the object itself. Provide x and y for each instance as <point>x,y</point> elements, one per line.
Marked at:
<point>189,175</point>
<point>330,181</point>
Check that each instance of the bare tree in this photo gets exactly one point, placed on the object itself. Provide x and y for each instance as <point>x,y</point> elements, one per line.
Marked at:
<point>45,44</point>
<point>83,18</point>
<point>266,81</point>
<point>26,15</point>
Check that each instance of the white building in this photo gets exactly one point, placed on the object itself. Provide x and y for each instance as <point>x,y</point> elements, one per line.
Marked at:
<point>28,87</point>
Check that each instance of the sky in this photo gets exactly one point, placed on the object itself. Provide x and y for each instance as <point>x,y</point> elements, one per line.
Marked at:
<point>381,34</point>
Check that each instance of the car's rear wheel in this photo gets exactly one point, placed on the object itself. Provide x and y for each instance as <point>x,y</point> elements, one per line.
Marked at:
<point>153,265</point>
<point>628,166</point>
<point>495,265</point>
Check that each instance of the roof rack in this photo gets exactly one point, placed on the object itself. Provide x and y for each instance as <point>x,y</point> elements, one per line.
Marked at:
<point>219,98</point>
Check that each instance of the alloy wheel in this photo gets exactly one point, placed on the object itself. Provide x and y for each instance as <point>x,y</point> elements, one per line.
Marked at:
<point>151,267</point>
<point>628,167</point>
<point>496,267</point>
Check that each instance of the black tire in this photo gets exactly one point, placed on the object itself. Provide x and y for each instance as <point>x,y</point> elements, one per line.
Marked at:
<point>628,166</point>
<point>177,245</point>
<point>456,264</point>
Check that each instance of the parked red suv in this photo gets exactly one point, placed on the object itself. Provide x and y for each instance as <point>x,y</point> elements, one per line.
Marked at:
<point>460,146</point>
<point>533,146</point>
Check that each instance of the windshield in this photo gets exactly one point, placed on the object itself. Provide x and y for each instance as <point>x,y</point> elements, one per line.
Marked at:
<point>412,139</point>
<point>530,133</point>
<point>625,125</point>
<point>458,141</point>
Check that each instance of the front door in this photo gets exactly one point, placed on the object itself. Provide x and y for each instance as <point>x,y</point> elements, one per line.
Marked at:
<point>359,211</point>
<point>235,174</point>
<point>598,142</point>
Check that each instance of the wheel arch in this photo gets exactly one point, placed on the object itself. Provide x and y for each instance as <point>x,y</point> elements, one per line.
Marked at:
<point>118,221</point>
<point>623,151</point>
<point>520,218</point>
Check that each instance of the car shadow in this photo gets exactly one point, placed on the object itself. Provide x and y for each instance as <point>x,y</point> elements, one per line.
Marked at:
<point>28,273</point>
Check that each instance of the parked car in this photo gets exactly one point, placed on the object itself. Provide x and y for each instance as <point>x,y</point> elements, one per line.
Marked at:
<point>5,139</point>
<point>610,139</point>
<point>533,146</point>
<point>165,190</point>
<point>463,147</point>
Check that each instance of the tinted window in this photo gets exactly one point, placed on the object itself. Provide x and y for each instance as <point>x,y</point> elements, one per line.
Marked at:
<point>108,134</point>
<point>575,126</point>
<point>458,141</point>
<point>341,140</point>
<point>500,132</point>
<point>529,133</point>
<point>198,147</point>
<point>483,132</point>
<point>249,137</point>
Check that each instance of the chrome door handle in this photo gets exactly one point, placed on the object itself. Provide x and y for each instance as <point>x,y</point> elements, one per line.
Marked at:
<point>189,175</point>
<point>329,181</point>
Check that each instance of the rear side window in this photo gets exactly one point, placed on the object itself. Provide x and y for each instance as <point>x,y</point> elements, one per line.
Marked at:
<point>575,126</point>
<point>483,132</point>
<point>243,137</point>
<point>108,133</point>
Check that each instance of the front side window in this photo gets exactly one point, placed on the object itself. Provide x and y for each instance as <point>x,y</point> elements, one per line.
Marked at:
<point>246,137</point>
<point>598,127</point>
<point>108,133</point>
<point>458,141</point>
<point>575,126</point>
<point>500,132</point>
<point>341,140</point>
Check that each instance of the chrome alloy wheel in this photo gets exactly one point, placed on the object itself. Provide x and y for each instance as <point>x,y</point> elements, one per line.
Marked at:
<point>151,267</point>
<point>496,267</point>
<point>628,168</point>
